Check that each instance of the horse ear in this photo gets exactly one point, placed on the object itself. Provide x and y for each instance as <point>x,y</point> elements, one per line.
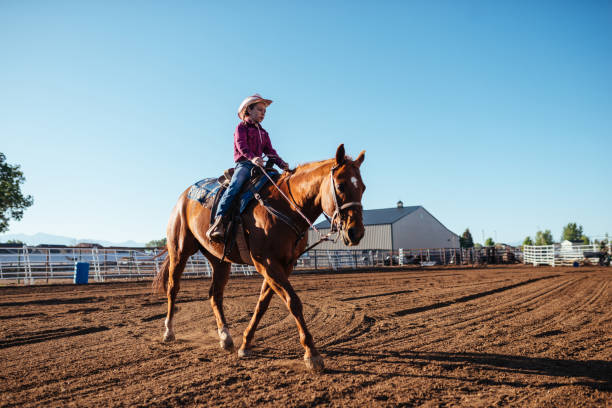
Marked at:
<point>340,155</point>
<point>360,158</point>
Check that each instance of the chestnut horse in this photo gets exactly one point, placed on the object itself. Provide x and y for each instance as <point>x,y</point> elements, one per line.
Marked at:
<point>332,186</point>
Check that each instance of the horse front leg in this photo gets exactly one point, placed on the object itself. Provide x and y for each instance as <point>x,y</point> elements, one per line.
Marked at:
<point>265,295</point>
<point>278,280</point>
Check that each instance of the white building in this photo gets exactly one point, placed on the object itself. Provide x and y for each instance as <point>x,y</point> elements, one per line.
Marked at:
<point>393,228</point>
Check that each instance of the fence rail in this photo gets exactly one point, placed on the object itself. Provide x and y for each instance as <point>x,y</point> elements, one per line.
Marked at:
<point>29,264</point>
<point>560,254</point>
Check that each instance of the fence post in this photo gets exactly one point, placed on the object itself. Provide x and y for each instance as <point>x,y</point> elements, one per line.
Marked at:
<point>28,271</point>
<point>552,261</point>
<point>47,266</point>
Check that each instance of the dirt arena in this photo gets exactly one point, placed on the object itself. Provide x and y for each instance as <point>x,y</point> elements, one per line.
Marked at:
<point>498,336</point>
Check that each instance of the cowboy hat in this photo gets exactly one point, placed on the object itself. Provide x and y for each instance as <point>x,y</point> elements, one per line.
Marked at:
<point>250,100</point>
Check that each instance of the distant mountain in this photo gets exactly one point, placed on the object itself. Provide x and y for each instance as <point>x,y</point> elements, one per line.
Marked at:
<point>49,239</point>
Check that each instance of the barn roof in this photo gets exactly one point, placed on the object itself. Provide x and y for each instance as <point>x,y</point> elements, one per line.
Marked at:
<point>380,216</point>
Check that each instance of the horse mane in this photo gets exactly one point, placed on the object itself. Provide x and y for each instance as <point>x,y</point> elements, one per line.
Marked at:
<point>304,168</point>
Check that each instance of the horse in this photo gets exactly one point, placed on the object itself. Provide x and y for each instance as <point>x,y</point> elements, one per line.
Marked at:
<point>333,186</point>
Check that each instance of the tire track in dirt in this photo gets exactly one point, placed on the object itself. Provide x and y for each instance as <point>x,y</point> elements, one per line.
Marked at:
<point>490,315</point>
<point>392,341</point>
<point>483,316</point>
<point>468,298</point>
<point>505,331</point>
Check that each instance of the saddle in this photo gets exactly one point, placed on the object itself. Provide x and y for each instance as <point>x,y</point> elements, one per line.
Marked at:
<point>208,192</point>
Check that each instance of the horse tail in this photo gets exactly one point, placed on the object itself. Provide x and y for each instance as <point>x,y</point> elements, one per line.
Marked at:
<point>163,251</point>
<point>160,282</point>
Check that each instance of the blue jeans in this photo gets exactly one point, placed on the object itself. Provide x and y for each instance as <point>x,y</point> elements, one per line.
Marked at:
<point>242,173</point>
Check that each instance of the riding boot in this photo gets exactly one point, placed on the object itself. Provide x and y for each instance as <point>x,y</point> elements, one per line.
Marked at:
<point>216,232</point>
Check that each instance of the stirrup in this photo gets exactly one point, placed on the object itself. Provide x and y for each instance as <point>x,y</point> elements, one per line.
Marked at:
<point>216,231</point>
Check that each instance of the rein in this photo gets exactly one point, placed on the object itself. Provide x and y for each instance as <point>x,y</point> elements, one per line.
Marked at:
<point>334,228</point>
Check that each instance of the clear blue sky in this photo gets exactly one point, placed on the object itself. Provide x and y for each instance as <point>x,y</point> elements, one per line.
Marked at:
<point>493,115</point>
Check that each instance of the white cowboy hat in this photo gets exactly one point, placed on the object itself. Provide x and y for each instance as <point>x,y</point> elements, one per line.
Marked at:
<point>250,100</point>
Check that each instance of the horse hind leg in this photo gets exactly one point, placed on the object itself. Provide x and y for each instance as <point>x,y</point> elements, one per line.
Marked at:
<point>177,261</point>
<point>176,270</point>
<point>220,276</point>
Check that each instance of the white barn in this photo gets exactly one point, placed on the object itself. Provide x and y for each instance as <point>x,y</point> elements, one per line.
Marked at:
<point>393,228</point>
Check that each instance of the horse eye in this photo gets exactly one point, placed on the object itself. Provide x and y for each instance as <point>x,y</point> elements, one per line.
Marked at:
<point>341,187</point>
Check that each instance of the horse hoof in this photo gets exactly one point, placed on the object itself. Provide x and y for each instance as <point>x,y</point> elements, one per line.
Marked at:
<point>227,344</point>
<point>225,339</point>
<point>168,337</point>
<point>314,363</point>
<point>244,353</point>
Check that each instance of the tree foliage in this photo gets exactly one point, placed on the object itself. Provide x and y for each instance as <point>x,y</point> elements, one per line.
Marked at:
<point>12,201</point>
<point>572,232</point>
<point>466,241</point>
<point>489,242</point>
<point>544,238</point>
<point>156,243</point>
<point>527,241</point>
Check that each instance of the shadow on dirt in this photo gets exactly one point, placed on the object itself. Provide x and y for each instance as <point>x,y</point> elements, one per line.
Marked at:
<point>595,374</point>
<point>54,302</point>
<point>46,335</point>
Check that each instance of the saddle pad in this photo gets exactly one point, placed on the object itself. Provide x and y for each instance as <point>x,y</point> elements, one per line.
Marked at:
<point>205,190</point>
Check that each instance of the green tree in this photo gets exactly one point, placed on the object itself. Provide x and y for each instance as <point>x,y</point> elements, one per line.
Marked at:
<point>466,240</point>
<point>544,238</point>
<point>572,232</point>
<point>489,242</point>
<point>527,241</point>
<point>14,241</point>
<point>585,240</point>
<point>156,243</point>
<point>12,201</point>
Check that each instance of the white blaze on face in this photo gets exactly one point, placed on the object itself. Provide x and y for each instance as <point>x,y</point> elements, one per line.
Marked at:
<point>354,181</point>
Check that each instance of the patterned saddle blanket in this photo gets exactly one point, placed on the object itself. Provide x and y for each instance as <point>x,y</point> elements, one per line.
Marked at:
<point>208,191</point>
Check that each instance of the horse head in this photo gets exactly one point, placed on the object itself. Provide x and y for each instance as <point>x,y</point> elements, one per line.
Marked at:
<point>342,197</point>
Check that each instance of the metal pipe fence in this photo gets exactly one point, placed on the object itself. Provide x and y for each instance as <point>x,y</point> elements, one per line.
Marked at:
<point>564,254</point>
<point>29,264</point>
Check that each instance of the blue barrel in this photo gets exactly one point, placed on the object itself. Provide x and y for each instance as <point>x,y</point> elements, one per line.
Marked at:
<point>81,273</point>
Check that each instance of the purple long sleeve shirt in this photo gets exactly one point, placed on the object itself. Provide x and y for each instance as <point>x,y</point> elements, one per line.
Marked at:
<point>251,140</point>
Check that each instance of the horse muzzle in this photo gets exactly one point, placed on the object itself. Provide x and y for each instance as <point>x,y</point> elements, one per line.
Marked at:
<point>352,235</point>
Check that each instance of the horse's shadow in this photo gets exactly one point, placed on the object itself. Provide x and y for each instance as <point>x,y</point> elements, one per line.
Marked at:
<point>595,374</point>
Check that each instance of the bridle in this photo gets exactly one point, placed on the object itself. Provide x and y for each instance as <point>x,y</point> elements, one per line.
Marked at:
<point>337,220</point>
